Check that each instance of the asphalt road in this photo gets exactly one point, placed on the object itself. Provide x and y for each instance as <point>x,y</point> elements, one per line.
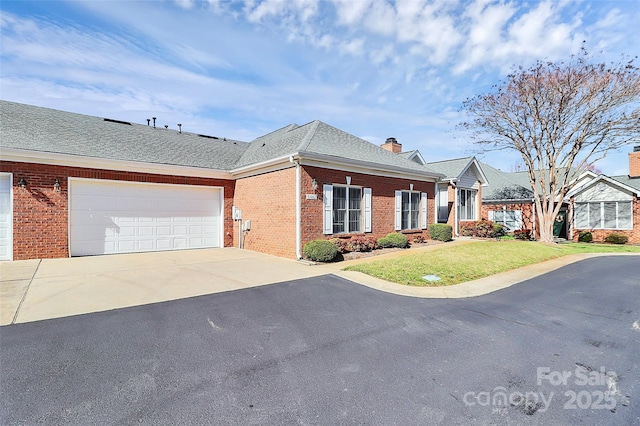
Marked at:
<point>563,348</point>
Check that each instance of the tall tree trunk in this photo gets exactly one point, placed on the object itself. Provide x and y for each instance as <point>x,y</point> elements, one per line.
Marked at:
<point>546,227</point>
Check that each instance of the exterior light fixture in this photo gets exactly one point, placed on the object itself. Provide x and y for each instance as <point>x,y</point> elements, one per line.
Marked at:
<point>314,184</point>
<point>22,183</point>
<point>56,186</point>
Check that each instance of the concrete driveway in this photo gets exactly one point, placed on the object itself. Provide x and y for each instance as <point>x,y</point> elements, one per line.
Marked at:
<point>50,288</point>
<point>34,290</point>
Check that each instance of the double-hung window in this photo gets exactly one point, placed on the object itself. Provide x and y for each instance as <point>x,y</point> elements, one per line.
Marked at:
<point>604,215</point>
<point>467,204</point>
<point>511,219</point>
<point>411,210</point>
<point>347,209</point>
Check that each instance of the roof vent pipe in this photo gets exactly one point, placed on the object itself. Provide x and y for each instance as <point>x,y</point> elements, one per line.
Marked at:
<point>148,121</point>
<point>179,128</point>
<point>166,126</point>
<point>154,122</point>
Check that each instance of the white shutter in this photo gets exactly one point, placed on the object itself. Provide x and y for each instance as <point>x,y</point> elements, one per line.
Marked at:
<point>518,219</point>
<point>367,209</point>
<point>491,215</point>
<point>423,202</point>
<point>327,203</point>
<point>398,210</point>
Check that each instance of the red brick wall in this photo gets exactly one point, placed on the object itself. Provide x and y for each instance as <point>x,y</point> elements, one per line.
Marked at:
<point>600,234</point>
<point>382,194</point>
<point>268,200</point>
<point>40,215</point>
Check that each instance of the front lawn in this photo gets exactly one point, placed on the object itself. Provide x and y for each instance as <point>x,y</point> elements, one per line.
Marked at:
<point>468,262</point>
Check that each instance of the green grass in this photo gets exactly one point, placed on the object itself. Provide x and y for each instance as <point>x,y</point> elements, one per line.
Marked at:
<point>457,264</point>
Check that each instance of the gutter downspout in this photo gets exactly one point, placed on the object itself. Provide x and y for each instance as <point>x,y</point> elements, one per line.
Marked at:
<point>298,208</point>
<point>456,208</point>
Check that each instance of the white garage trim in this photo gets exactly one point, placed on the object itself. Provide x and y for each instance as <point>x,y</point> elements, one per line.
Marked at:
<point>113,216</point>
<point>6,216</point>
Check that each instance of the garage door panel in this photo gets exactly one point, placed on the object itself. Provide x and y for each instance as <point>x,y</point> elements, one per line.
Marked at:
<point>118,217</point>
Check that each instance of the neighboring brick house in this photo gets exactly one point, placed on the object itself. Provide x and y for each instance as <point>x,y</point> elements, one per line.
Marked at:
<point>73,185</point>
<point>605,204</point>
<point>596,203</point>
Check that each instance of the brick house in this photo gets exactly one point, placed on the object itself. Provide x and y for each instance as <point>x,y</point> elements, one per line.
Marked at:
<point>75,185</point>
<point>597,203</point>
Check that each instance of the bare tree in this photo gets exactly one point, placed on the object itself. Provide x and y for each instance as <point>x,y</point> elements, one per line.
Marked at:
<point>561,118</point>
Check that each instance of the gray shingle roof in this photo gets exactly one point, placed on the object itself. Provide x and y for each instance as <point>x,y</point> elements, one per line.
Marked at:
<point>503,186</point>
<point>320,138</point>
<point>47,130</point>
<point>450,168</point>
<point>629,181</point>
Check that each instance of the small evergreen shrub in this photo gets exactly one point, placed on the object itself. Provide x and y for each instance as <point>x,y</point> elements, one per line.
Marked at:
<point>616,238</point>
<point>522,234</point>
<point>440,232</point>
<point>362,243</point>
<point>498,231</point>
<point>341,244</point>
<point>393,239</point>
<point>585,237</point>
<point>320,250</point>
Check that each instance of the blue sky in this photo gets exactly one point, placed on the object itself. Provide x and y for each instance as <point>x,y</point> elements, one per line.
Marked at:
<point>240,69</point>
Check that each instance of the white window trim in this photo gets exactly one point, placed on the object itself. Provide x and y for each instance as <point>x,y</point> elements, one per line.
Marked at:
<point>365,209</point>
<point>602,218</point>
<point>518,218</point>
<point>459,206</point>
<point>422,210</point>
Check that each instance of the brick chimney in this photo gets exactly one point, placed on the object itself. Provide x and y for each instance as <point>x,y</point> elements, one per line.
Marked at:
<point>392,145</point>
<point>634,162</point>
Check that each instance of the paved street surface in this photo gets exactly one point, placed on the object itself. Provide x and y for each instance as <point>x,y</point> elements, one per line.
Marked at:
<point>563,348</point>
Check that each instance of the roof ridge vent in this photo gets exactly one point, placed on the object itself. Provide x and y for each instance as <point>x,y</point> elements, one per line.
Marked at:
<point>111,120</point>
<point>209,137</point>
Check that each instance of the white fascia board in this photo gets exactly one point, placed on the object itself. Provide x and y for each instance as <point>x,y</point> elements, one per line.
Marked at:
<point>601,178</point>
<point>56,159</point>
<point>333,163</point>
<point>482,178</point>
<point>272,165</point>
<point>365,167</point>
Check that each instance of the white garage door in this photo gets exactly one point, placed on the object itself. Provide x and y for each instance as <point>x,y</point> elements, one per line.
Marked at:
<point>6,217</point>
<point>125,217</point>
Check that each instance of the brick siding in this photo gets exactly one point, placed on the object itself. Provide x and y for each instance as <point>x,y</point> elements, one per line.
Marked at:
<point>526,208</point>
<point>382,201</point>
<point>600,234</point>
<point>268,200</point>
<point>41,215</point>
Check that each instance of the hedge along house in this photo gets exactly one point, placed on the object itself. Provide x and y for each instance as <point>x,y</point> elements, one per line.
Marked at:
<point>459,195</point>
<point>74,185</point>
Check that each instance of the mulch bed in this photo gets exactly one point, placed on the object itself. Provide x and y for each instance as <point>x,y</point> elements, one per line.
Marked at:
<point>364,254</point>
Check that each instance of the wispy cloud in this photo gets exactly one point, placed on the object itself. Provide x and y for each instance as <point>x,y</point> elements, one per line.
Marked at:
<point>371,67</point>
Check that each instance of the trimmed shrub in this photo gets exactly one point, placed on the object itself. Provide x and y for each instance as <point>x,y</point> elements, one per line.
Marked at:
<point>522,234</point>
<point>341,244</point>
<point>440,232</point>
<point>498,231</point>
<point>393,239</point>
<point>362,243</point>
<point>481,229</point>
<point>585,237</point>
<point>616,238</point>
<point>320,250</point>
